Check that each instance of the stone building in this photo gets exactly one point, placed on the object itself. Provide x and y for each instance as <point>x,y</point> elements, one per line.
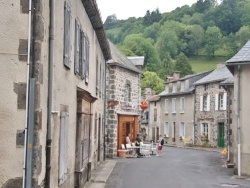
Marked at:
<point>177,108</point>
<point>239,65</point>
<point>211,105</point>
<point>123,91</point>
<point>52,67</point>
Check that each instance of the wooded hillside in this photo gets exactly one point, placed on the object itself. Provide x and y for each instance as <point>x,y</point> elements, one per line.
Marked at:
<point>206,29</point>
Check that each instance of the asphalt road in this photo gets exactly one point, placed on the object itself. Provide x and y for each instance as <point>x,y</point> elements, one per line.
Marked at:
<point>177,168</point>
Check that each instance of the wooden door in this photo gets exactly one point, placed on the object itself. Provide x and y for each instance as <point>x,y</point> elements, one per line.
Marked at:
<point>126,125</point>
<point>221,139</point>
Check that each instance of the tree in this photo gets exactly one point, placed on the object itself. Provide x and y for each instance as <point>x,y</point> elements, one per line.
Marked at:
<point>152,31</point>
<point>143,47</point>
<point>182,65</point>
<point>110,22</point>
<point>194,38</point>
<point>213,38</point>
<point>153,81</point>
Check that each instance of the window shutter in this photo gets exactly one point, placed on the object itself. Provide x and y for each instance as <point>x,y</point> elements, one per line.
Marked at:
<point>225,101</point>
<point>63,147</point>
<point>77,46</point>
<point>201,103</point>
<point>66,55</point>
<point>208,103</point>
<point>216,101</point>
<point>82,55</point>
<point>87,62</point>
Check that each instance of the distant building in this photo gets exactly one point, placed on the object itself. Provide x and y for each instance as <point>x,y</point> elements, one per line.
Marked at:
<point>239,65</point>
<point>178,108</point>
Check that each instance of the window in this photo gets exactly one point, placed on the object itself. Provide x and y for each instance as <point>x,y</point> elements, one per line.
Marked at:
<point>173,106</point>
<point>182,105</point>
<point>66,50</point>
<point>63,144</point>
<point>166,129</point>
<point>205,103</point>
<point>128,93</point>
<point>182,130</point>
<point>204,129</point>
<point>155,114</point>
<point>81,58</point>
<point>221,101</point>
<point>166,106</point>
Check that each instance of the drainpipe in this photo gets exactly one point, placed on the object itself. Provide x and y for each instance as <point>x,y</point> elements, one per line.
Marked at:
<point>50,87</point>
<point>238,123</point>
<point>27,94</point>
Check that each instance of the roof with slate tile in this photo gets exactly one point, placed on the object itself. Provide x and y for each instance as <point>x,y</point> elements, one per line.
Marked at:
<point>218,75</point>
<point>243,56</point>
<point>192,79</point>
<point>117,58</point>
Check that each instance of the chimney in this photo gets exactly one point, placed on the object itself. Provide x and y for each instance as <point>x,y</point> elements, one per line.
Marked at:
<point>176,75</point>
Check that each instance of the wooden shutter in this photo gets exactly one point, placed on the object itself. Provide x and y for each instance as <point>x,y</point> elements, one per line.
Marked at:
<point>201,103</point>
<point>97,78</point>
<point>66,54</point>
<point>63,146</point>
<point>77,46</point>
<point>82,55</point>
<point>224,101</point>
<point>216,101</point>
<point>87,62</point>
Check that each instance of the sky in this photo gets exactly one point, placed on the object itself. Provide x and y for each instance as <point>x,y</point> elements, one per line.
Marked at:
<point>123,9</point>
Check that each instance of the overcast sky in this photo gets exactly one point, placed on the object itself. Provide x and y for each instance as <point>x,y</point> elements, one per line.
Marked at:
<point>124,9</point>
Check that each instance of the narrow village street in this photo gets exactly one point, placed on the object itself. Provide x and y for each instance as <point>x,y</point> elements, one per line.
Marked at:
<point>177,168</point>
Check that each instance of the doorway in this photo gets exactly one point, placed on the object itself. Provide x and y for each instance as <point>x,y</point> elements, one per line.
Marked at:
<point>221,139</point>
<point>126,124</point>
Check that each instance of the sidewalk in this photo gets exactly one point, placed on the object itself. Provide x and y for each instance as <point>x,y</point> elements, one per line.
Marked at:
<point>100,175</point>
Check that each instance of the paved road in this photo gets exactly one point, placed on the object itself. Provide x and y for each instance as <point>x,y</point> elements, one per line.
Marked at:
<point>177,168</point>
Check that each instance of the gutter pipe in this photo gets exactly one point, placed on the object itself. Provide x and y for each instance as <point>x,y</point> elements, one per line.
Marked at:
<point>27,94</point>
<point>238,122</point>
<point>50,88</point>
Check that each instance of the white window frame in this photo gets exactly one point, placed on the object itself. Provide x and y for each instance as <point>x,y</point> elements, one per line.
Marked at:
<point>205,103</point>
<point>204,128</point>
<point>182,130</point>
<point>166,129</point>
<point>166,106</point>
<point>174,105</point>
<point>182,104</point>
